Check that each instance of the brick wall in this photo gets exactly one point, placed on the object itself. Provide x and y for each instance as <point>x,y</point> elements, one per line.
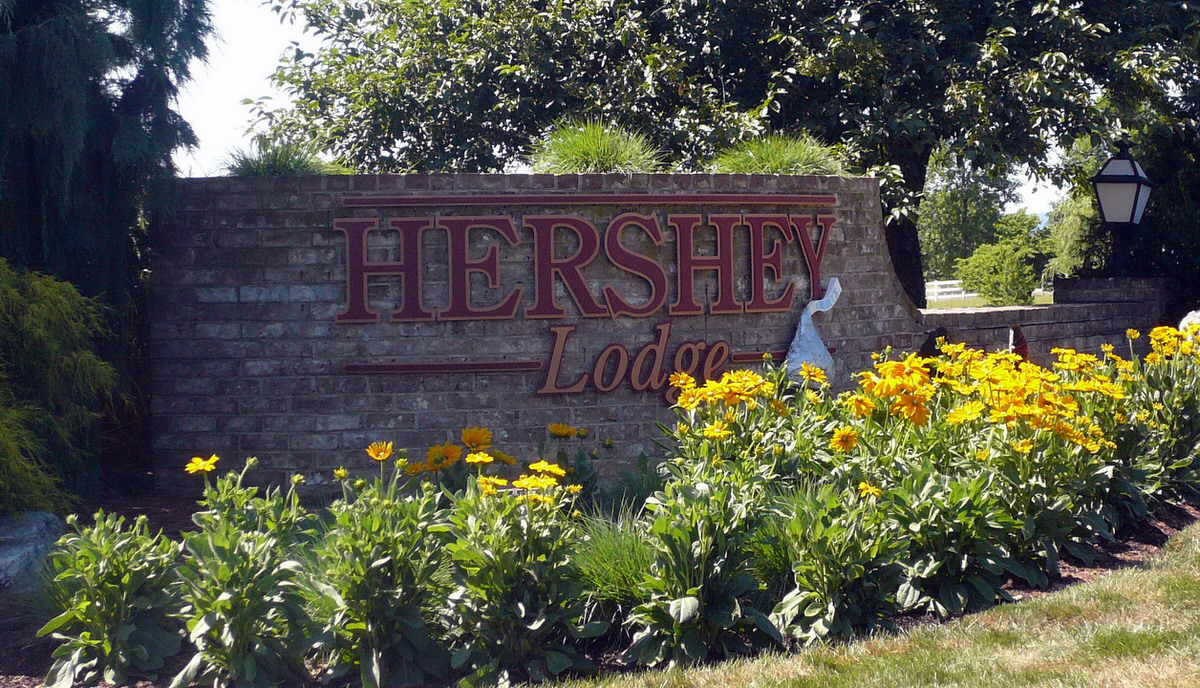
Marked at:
<point>249,276</point>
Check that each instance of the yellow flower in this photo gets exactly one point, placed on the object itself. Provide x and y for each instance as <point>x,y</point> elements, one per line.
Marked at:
<point>537,498</point>
<point>582,432</point>
<point>965,413</point>
<point>1132,333</point>
<point>341,473</point>
<point>547,467</point>
<point>562,430</point>
<point>479,457</point>
<point>1022,446</point>
<point>1106,348</point>
<point>380,451</point>
<point>574,489</point>
<point>507,459</point>
<point>812,373</point>
<point>608,443</point>
<point>911,407</point>
<point>982,455</point>
<point>202,465</point>
<point>476,438</point>
<point>442,456</point>
<point>415,468</point>
<point>844,439</point>
<point>681,380</point>
<point>488,485</point>
<point>535,482</point>
<point>812,397</point>
<point>860,406</point>
<point>866,489</point>
<point>717,430</point>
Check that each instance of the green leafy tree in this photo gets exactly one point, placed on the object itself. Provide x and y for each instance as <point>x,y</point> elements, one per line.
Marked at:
<point>87,130</point>
<point>959,213</point>
<point>1002,273</point>
<point>468,86</point>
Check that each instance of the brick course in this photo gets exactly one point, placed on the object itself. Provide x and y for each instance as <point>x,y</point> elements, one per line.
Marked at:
<point>248,276</point>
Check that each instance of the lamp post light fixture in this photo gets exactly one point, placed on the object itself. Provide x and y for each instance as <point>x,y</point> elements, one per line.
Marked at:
<point>1123,189</point>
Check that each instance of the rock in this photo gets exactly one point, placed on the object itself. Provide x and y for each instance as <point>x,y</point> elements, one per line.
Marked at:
<point>25,539</point>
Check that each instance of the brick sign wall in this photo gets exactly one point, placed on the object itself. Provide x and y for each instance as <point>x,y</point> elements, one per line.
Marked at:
<point>300,319</point>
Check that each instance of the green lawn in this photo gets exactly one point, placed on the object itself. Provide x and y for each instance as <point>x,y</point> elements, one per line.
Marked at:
<point>1135,627</point>
<point>976,302</point>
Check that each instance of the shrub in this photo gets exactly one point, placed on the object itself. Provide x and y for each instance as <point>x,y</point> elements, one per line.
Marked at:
<point>115,587</point>
<point>379,556</point>
<point>843,555</point>
<point>516,607</point>
<point>243,608</point>
<point>956,531</point>
<point>780,154</point>
<point>1001,273</point>
<point>701,579</point>
<point>52,385</point>
<point>276,157</point>
<point>582,146</point>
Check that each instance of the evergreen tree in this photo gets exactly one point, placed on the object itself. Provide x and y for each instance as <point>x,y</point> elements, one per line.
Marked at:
<point>87,130</point>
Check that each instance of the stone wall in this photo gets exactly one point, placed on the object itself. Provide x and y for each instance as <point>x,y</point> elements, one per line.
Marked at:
<point>257,349</point>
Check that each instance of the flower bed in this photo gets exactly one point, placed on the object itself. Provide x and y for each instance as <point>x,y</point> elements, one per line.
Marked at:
<point>784,514</point>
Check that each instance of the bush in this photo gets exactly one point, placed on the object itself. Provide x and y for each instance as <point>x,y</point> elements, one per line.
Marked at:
<point>613,556</point>
<point>1001,273</point>
<point>52,385</point>
<point>701,581</point>
<point>116,589</point>
<point>581,146</point>
<point>780,154</point>
<point>956,560</point>
<point>516,608</point>
<point>843,557</point>
<point>275,157</point>
<point>244,610</point>
<point>379,556</point>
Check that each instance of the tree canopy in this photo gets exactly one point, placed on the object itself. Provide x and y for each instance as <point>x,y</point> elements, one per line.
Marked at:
<point>87,128</point>
<point>399,85</point>
<point>959,212</point>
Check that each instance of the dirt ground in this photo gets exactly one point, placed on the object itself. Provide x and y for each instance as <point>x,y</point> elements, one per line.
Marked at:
<point>25,659</point>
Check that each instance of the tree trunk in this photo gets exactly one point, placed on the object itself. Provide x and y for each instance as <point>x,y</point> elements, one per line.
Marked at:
<point>905,249</point>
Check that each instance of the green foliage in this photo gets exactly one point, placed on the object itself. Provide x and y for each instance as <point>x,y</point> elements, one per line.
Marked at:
<point>243,609</point>
<point>959,211</point>
<point>87,133</point>
<point>701,579</point>
<point>274,157</point>
<point>51,387</point>
<point>613,557</point>
<point>115,590</point>
<point>278,512</point>
<point>516,608</point>
<point>781,154</point>
<point>956,532</point>
<point>1071,230</point>
<point>584,146</point>
<point>380,554</point>
<point>1001,273</point>
<point>843,556</point>
<point>468,86</point>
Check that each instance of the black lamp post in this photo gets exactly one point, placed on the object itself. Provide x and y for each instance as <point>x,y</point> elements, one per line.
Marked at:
<point>1123,189</point>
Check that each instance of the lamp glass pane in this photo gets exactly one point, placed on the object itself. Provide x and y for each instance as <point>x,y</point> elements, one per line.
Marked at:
<point>1116,200</point>
<point>1140,205</point>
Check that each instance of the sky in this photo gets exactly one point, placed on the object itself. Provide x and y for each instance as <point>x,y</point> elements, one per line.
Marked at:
<point>250,40</point>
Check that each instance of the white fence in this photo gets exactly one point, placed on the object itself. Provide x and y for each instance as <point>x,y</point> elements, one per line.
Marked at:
<point>946,290</point>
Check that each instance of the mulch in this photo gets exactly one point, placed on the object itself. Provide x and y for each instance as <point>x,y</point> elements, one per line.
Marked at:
<point>25,659</point>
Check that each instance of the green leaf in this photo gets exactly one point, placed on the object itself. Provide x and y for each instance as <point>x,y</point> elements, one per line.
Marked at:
<point>684,609</point>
